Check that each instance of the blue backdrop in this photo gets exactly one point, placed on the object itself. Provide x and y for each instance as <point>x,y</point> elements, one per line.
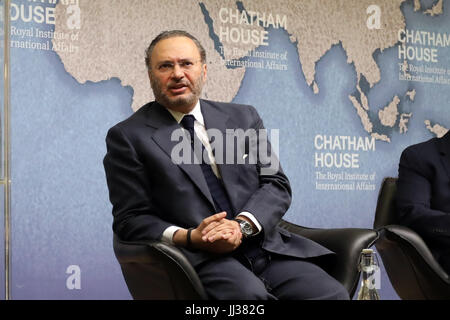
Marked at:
<point>61,215</point>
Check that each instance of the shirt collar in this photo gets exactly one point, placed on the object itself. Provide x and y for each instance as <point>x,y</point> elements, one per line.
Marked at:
<point>196,112</point>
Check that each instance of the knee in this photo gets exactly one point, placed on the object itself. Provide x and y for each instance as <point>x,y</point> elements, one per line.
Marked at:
<point>323,290</point>
<point>239,291</point>
<point>340,293</point>
<point>252,293</point>
<point>334,291</point>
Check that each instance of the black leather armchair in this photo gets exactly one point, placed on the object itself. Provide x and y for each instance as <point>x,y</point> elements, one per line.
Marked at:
<point>413,271</point>
<point>155,270</point>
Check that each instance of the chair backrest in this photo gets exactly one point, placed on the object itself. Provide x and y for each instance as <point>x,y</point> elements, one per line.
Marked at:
<point>411,267</point>
<point>385,211</point>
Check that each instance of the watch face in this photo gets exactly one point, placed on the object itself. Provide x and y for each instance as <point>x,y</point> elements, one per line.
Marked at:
<point>246,228</point>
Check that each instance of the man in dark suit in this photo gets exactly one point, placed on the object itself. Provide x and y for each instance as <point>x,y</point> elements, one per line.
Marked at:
<point>423,197</point>
<point>223,212</point>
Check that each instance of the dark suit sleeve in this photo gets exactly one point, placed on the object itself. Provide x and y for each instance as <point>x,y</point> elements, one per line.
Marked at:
<point>272,199</point>
<point>414,197</point>
<point>135,215</point>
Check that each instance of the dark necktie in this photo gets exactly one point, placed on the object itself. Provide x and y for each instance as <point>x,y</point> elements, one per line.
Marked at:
<point>215,186</point>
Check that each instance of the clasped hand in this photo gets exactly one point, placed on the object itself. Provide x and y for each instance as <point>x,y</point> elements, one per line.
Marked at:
<point>217,234</point>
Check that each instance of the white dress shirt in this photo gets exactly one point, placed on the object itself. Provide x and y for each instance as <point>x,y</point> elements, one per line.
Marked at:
<point>200,131</point>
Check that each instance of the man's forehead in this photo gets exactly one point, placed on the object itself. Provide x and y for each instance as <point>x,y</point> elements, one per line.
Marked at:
<point>175,48</point>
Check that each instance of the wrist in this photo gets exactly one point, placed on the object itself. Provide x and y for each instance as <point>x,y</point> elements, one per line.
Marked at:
<point>189,238</point>
<point>179,237</point>
<point>247,228</point>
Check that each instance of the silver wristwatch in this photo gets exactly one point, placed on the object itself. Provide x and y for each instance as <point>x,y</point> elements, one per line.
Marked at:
<point>246,228</point>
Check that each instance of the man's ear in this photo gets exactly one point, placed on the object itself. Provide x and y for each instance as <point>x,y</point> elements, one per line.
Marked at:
<point>205,72</point>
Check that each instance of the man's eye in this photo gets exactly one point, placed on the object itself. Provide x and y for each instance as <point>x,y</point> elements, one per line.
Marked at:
<point>186,64</point>
<point>165,66</point>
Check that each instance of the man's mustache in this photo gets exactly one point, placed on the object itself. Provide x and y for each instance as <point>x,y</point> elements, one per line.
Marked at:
<point>178,85</point>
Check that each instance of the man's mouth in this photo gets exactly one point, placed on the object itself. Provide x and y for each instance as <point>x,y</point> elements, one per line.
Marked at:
<point>178,88</point>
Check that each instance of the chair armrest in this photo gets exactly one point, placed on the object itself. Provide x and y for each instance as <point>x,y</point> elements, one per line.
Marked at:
<point>347,243</point>
<point>414,244</point>
<point>157,270</point>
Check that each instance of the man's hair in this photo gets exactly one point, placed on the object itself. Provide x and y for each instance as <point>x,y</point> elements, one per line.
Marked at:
<point>172,34</point>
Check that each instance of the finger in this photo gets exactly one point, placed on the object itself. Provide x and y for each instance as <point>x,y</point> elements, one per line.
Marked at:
<point>219,226</point>
<point>216,227</point>
<point>209,234</point>
<point>218,236</point>
<point>222,228</point>
<point>229,236</point>
<point>210,227</point>
<point>215,217</point>
<point>237,240</point>
<point>213,235</point>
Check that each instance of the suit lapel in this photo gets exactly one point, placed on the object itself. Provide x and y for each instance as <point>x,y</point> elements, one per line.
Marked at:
<point>444,150</point>
<point>216,119</point>
<point>165,124</point>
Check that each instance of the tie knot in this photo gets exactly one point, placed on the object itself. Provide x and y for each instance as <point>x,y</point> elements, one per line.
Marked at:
<point>188,121</point>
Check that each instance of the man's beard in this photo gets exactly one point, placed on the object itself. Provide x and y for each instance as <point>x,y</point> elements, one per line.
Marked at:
<point>181,101</point>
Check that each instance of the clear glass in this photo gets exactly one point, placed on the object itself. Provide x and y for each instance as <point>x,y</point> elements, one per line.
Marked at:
<point>369,274</point>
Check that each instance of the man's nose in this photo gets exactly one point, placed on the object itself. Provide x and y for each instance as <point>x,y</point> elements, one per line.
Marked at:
<point>178,71</point>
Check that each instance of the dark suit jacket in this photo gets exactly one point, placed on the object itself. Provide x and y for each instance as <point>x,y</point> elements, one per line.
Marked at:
<point>423,197</point>
<point>150,193</point>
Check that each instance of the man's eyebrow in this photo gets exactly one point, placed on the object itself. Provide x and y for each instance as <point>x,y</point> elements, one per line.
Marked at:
<point>172,61</point>
<point>164,61</point>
